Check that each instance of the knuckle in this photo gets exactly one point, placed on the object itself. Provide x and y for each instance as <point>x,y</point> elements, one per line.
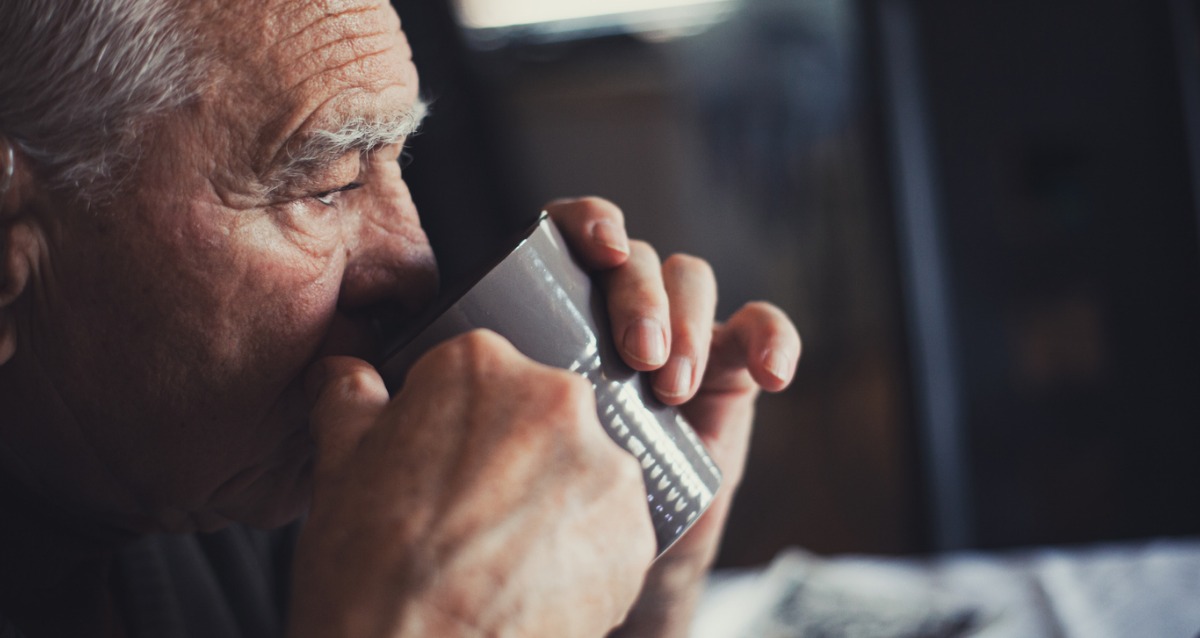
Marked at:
<point>357,383</point>
<point>598,207</point>
<point>481,344</point>
<point>616,473</point>
<point>688,340</point>
<point>643,251</point>
<point>570,399</point>
<point>570,413</point>
<point>771,322</point>
<point>762,315</point>
<point>760,308</point>
<point>472,350</point>
<point>683,263</point>
<point>581,210</point>
<point>581,391</point>
<point>469,359</point>
<point>768,314</point>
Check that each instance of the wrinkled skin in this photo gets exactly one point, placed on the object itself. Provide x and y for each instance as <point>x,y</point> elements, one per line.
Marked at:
<point>169,330</point>
<point>190,355</point>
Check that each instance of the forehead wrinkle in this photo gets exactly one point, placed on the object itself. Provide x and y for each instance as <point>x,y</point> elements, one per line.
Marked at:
<point>344,51</point>
<point>288,18</point>
<point>388,74</point>
<point>279,129</point>
<point>330,40</point>
<point>324,15</point>
<point>333,7</point>
<point>330,62</point>
<point>313,65</point>
<point>341,24</point>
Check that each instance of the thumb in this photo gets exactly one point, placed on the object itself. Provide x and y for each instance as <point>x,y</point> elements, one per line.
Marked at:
<point>347,396</point>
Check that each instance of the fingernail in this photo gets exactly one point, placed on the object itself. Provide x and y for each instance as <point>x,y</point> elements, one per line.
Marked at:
<point>606,233</point>
<point>778,364</point>
<point>644,341</point>
<point>676,379</point>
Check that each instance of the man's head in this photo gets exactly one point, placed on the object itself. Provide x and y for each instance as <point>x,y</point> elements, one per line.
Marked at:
<point>166,281</point>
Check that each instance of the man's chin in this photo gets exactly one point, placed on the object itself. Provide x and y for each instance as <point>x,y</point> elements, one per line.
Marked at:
<point>274,500</point>
<point>268,511</point>
<point>266,516</point>
<point>265,520</point>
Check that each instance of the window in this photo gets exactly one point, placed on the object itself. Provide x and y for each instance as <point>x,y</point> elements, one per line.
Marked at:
<point>567,17</point>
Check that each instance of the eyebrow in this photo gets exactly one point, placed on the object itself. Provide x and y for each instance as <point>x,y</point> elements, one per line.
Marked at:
<point>322,148</point>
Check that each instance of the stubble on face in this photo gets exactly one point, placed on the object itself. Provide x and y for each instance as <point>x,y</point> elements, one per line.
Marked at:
<point>179,321</point>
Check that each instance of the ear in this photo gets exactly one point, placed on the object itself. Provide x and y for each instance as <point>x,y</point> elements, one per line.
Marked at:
<point>18,246</point>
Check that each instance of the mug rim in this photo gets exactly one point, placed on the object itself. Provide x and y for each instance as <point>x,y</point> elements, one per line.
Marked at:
<point>409,329</point>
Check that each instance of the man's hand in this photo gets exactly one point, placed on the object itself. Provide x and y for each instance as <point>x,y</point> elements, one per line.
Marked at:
<point>662,320</point>
<point>430,515</point>
<point>484,499</point>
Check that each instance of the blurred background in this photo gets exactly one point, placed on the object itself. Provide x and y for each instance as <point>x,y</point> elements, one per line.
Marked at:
<point>982,216</point>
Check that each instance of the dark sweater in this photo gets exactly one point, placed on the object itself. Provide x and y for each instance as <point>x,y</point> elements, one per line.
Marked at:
<point>229,584</point>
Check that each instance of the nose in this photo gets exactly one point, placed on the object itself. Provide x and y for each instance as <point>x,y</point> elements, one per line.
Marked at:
<point>391,272</point>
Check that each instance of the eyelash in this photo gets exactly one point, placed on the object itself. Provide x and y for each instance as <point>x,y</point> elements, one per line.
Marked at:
<point>327,198</point>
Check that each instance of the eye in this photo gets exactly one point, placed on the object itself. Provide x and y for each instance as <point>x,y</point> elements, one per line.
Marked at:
<point>329,198</point>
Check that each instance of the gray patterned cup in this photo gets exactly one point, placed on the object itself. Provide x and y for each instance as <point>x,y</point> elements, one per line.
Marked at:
<point>539,299</point>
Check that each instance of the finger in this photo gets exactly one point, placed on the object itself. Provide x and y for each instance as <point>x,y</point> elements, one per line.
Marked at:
<point>637,305</point>
<point>692,293</point>
<point>594,228</point>
<point>348,396</point>
<point>759,340</point>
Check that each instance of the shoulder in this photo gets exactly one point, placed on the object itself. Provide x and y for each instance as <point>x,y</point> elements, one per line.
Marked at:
<point>7,629</point>
<point>234,582</point>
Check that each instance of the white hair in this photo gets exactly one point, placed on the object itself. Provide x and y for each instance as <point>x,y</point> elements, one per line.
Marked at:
<point>361,134</point>
<point>81,80</point>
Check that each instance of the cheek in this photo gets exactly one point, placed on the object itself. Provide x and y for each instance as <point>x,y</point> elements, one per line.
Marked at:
<point>189,344</point>
<point>268,308</point>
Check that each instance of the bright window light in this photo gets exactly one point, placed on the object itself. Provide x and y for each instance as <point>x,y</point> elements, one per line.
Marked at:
<point>491,14</point>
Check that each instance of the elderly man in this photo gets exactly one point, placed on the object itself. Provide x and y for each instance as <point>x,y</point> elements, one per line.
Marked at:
<point>200,213</point>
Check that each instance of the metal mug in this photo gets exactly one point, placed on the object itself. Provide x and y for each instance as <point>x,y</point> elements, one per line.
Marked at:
<point>538,298</point>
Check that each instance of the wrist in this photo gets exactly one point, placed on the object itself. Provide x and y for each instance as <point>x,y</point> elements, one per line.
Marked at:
<point>668,600</point>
